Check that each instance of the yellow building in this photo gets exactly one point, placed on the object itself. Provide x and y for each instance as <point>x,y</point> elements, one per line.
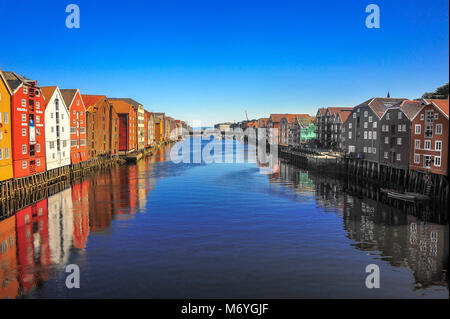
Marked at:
<point>6,167</point>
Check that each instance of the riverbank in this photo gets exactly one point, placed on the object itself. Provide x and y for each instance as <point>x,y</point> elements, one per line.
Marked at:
<point>435,186</point>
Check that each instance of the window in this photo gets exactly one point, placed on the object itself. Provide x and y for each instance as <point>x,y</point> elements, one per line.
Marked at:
<point>24,131</point>
<point>370,135</point>
<point>422,117</point>
<point>386,140</point>
<point>429,131</point>
<point>52,144</point>
<point>6,118</point>
<point>437,161</point>
<point>38,148</point>
<point>436,116</point>
<point>38,162</point>
<point>374,125</point>
<point>62,129</point>
<point>365,149</point>
<point>366,113</point>
<point>386,155</point>
<point>6,152</point>
<point>399,141</point>
<point>387,116</point>
<point>24,117</point>
<point>427,145</point>
<point>365,124</point>
<point>374,150</point>
<point>416,159</point>
<point>399,126</point>
<point>78,102</point>
<point>350,125</point>
<point>24,164</point>
<point>38,104</point>
<point>62,116</point>
<point>53,156</point>
<point>417,129</point>
<point>365,135</point>
<point>404,127</point>
<point>24,149</point>
<point>24,103</point>
<point>370,119</point>
<point>51,115</point>
<point>438,129</point>
<point>374,135</point>
<point>351,148</point>
<point>354,115</point>
<point>349,135</point>
<point>438,145</point>
<point>417,144</point>
<point>25,90</point>
<point>369,150</point>
<point>38,118</point>
<point>399,156</point>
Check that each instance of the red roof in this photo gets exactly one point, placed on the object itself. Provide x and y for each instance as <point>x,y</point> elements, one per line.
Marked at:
<point>335,110</point>
<point>441,104</point>
<point>48,91</point>
<point>91,100</point>
<point>344,115</point>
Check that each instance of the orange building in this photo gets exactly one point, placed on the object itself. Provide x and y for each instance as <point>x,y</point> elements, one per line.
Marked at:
<point>429,137</point>
<point>9,286</point>
<point>6,164</point>
<point>80,205</point>
<point>102,125</point>
<point>127,125</point>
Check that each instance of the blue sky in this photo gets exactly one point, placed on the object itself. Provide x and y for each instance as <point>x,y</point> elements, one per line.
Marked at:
<point>212,60</point>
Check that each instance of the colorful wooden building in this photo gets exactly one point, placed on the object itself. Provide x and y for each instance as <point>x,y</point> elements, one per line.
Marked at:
<point>57,129</point>
<point>9,287</point>
<point>78,138</point>
<point>159,121</point>
<point>6,162</point>
<point>429,137</point>
<point>127,125</point>
<point>27,124</point>
<point>102,126</point>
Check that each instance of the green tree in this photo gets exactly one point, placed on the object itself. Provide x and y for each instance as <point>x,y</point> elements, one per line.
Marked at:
<point>440,93</point>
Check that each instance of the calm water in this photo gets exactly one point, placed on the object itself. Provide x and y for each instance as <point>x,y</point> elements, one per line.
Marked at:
<point>159,229</point>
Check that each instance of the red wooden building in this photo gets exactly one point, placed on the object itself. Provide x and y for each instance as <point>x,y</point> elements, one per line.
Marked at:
<point>78,136</point>
<point>429,137</point>
<point>27,119</point>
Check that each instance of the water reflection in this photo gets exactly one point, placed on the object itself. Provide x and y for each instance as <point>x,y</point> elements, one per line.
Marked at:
<point>41,238</point>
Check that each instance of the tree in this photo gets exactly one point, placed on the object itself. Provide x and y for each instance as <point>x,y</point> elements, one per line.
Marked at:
<point>440,93</point>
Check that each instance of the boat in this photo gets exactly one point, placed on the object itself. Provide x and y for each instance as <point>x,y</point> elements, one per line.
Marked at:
<point>406,196</point>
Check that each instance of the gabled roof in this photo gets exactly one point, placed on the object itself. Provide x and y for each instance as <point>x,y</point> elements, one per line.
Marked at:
<point>91,101</point>
<point>5,82</point>
<point>336,110</point>
<point>380,104</point>
<point>344,115</point>
<point>68,96</point>
<point>14,80</point>
<point>121,106</point>
<point>322,111</point>
<point>128,100</point>
<point>48,92</point>
<point>441,104</point>
<point>410,108</point>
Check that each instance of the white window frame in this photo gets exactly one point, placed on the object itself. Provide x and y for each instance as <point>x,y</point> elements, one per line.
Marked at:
<point>436,143</point>
<point>417,129</point>
<point>416,158</point>
<point>439,160</point>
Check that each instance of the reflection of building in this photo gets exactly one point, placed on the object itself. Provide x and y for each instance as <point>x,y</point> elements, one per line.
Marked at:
<point>60,225</point>
<point>80,204</point>
<point>376,227</point>
<point>9,285</point>
<point>33,247</point>
<point>427,251</point>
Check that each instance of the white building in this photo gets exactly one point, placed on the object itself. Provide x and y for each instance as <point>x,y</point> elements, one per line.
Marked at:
<point>57,129</point>
<point>60,226</point>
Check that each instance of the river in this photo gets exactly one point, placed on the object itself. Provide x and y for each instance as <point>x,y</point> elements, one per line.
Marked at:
<point>157,229</point>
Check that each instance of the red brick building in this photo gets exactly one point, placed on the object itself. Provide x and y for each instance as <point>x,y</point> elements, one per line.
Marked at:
<point>429,137</point>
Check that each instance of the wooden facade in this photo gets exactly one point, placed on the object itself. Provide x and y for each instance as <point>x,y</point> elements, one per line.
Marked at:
<point>127,117</point>
<point>6,163</point>
<point>27,125</point>
<point>78,135</point>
